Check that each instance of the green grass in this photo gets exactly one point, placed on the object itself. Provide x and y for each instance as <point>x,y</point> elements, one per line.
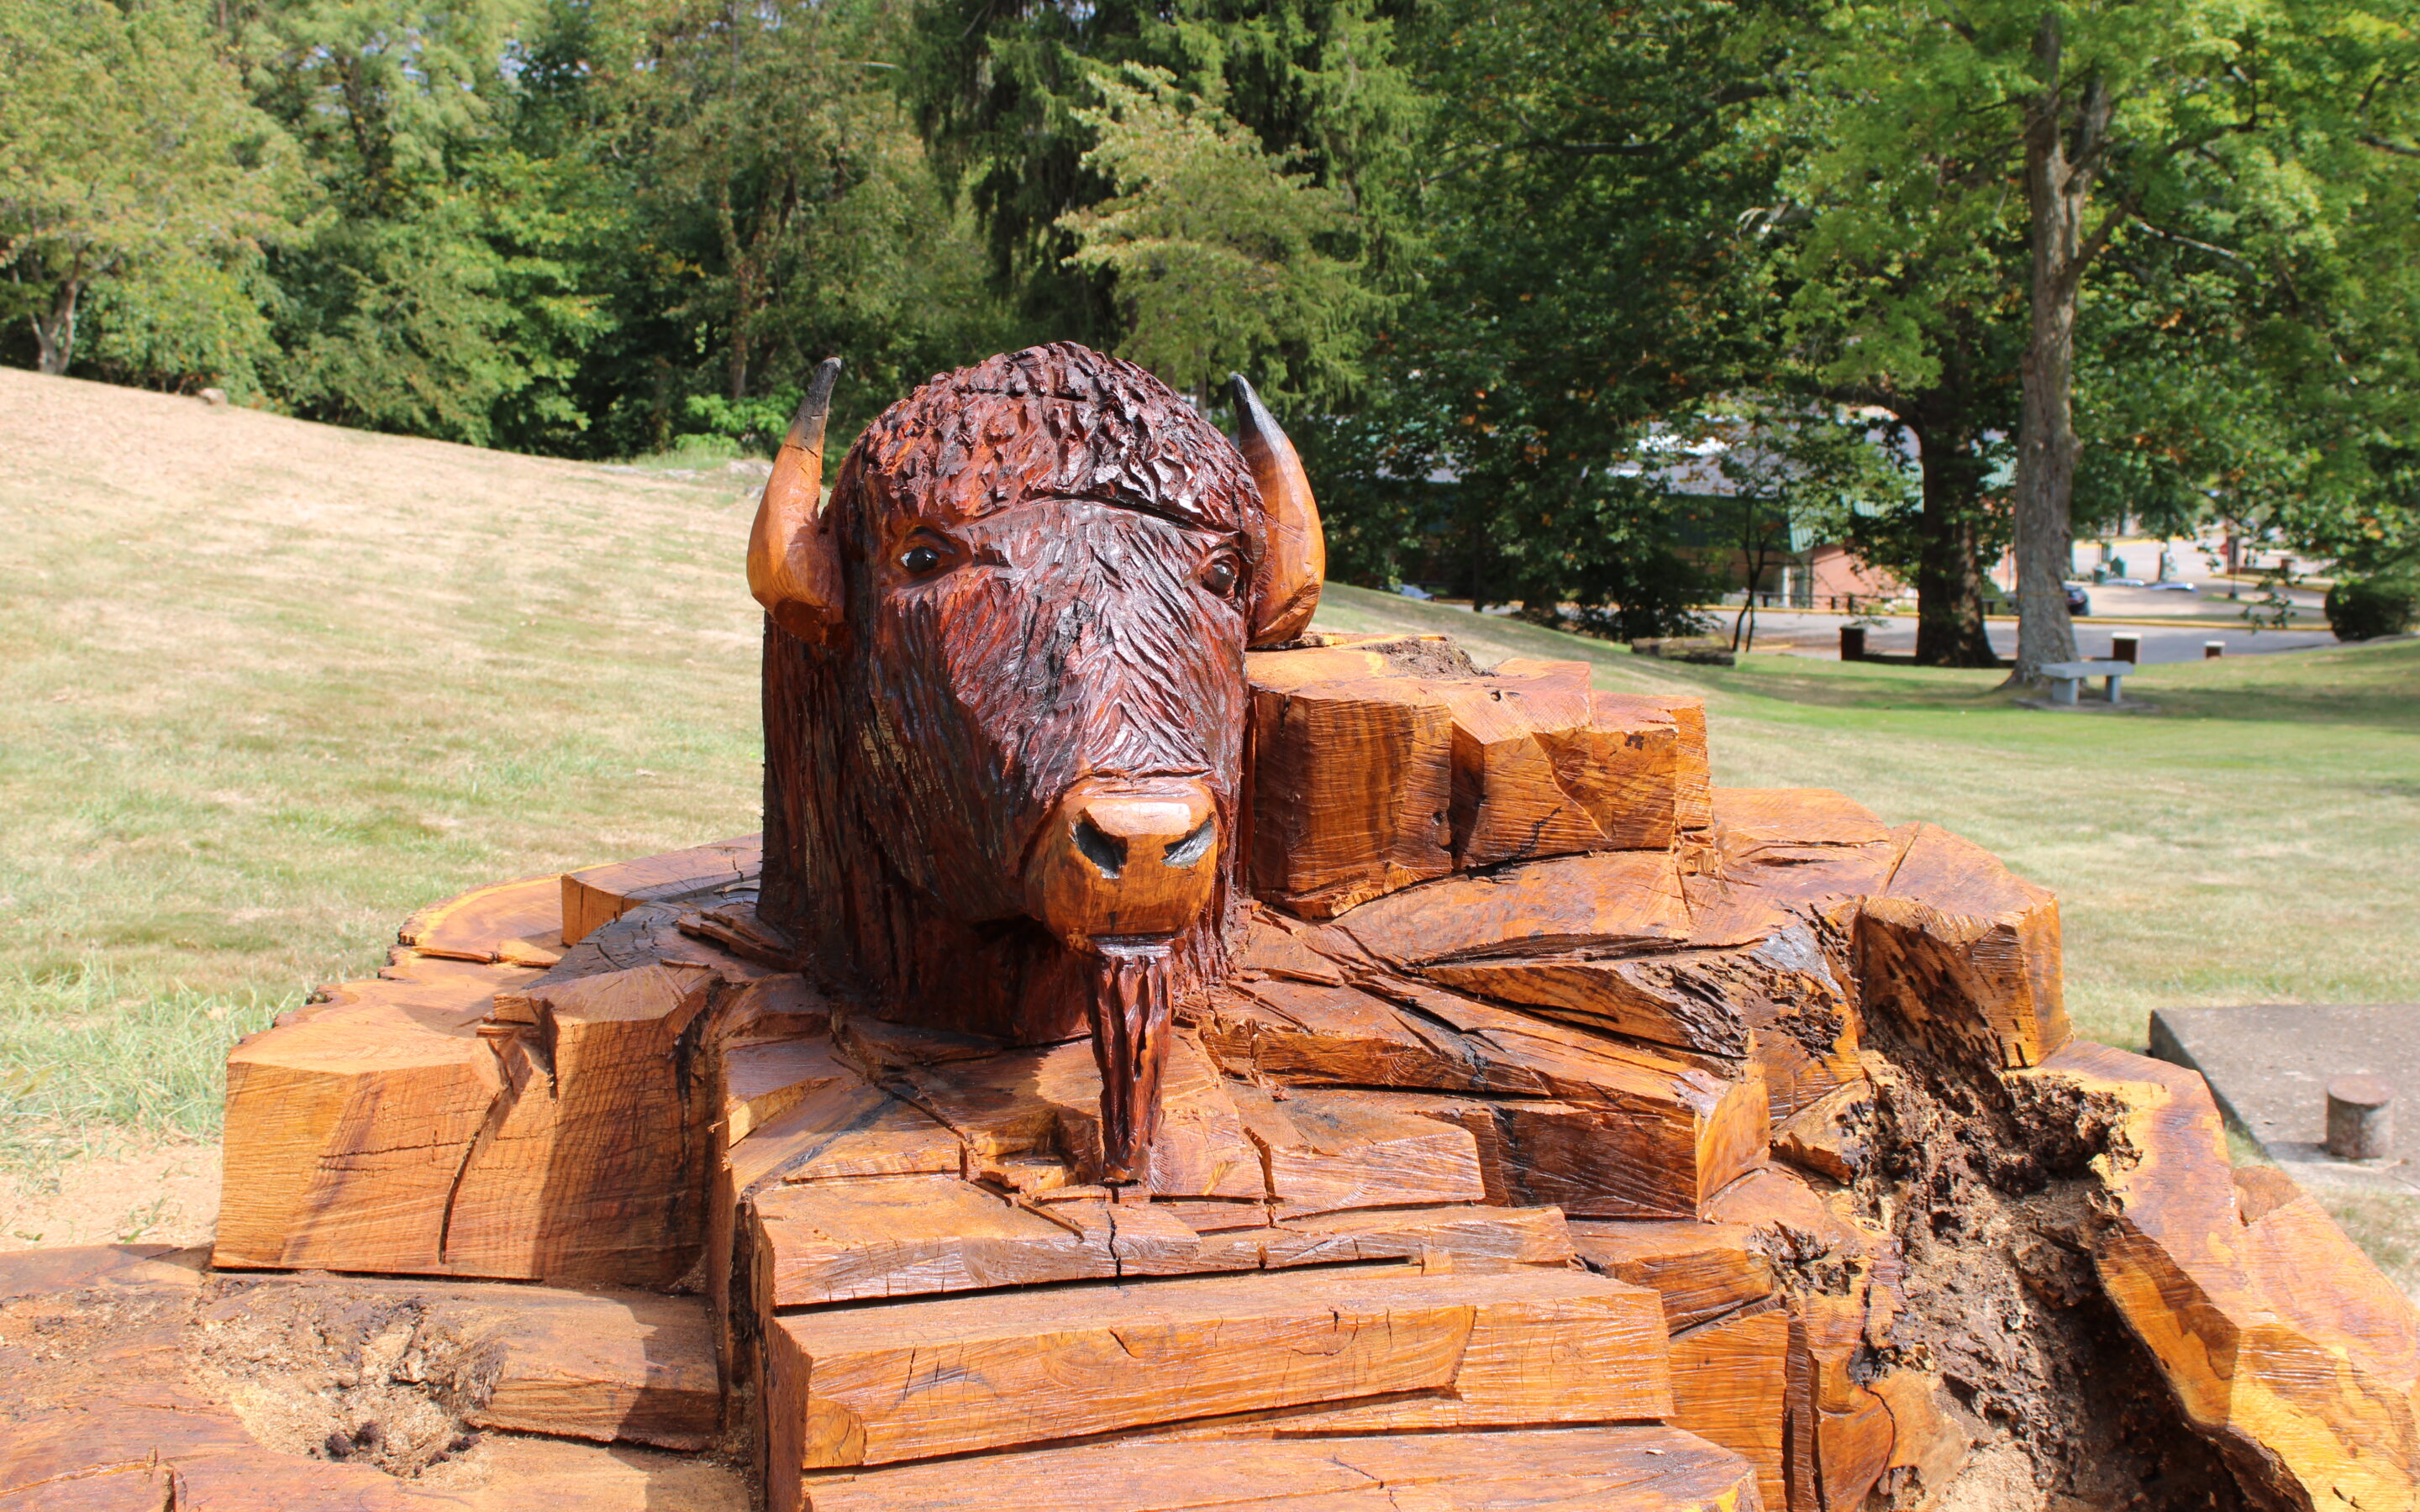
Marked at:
<point>272,685</point>
<point>2253,841</point>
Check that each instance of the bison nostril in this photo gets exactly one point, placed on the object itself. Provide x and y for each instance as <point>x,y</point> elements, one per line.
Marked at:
<point>1102,849</point>
<point>1193,847</point>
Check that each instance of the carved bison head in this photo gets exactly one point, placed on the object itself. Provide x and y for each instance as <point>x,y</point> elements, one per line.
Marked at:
<point>1005,704</point>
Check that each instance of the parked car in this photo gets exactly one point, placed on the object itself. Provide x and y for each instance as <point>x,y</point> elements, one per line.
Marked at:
<point>2079,600</point>
<point>2170,588</point>
<point>1413,591</point>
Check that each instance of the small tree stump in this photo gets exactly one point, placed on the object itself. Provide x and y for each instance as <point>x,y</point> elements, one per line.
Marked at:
<point>2361,1117</point>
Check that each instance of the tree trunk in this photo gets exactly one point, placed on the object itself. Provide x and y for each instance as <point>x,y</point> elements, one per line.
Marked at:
<point>1949,629</point>
<point>55,333</point>
<point>2057,185</point>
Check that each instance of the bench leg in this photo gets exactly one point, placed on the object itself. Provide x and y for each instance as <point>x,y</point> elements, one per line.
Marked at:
<point>2062,689</point>
<point>2112,683</point>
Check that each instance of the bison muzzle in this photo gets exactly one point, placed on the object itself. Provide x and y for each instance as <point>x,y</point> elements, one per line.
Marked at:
<point>1005,700</point>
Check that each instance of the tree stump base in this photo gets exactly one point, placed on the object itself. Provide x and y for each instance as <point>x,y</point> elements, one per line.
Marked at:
<point>1752,1164</point>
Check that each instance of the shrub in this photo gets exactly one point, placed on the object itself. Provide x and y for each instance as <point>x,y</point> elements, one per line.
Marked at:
<point>2361,607</point>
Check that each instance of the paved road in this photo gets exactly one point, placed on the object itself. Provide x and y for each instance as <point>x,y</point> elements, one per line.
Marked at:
<point>1819,635</point>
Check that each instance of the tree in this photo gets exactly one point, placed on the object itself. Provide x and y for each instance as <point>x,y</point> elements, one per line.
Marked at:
<point>1005,95</point>
<point>2105,124</point>
<point>1576,277</point>
<point>132,162</point>
<point>1216,249</point>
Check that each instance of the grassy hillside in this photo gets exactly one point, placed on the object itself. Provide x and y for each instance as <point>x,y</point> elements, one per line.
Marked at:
<point>274,685</point>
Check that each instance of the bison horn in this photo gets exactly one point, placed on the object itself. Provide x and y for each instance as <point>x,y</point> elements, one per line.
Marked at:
<point>793,556</point>
<point>1294,552</point>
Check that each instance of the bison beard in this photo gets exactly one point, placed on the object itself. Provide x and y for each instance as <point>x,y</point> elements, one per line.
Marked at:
<point>988,769</point>
<point>1131,1003</point>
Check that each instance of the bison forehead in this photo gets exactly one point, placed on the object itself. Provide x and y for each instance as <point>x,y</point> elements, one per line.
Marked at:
<point>1056,422</point>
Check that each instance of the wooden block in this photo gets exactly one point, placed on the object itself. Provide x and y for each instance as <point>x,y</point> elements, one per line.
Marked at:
<point>1554,1347</point>
<point>1779,1205</point>
<point>1703,1000</point>
<point>918,1380</point>
<point>2281,1340</point>
<point>1840,1432</point>
<point>763,1079</point>
<point>345,1135</point>
<point>1827,1139</point>
<point>1306,1034</point>
<point>1620,900</point>
<point>1605,1129</point>
<point>772,1005</point>
<point>845,1128</point>
<point>911,1235</point>
<point>1322,1152</point>
<point>1464,1238</point>
<point>1928,1446</point>
<point>513,1473</point>
<point>1352,782</point>
<point>1702,1271</point>
<point>602,894</point>
<point>1778,854</point>
<point>595,1164</point>
<point>1693,807</point>
<point>516,922</point>
<point>1055,1096</point>
<point>1793,824</point>
<point>411,980</point>
<point>633,1367</point>
<point>36,1272</point>
<point>1728,1379</point>
<point>1544,1470</point>
<point>1269,945</point>
<point>1964,954</point>
<point>1624,762</point>
<point>1374,771</point>
<point>1537,774</point>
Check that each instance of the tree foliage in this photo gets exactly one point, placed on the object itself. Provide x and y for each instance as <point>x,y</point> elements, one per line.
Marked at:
<point>135,169</point>
<point>1479,254</point>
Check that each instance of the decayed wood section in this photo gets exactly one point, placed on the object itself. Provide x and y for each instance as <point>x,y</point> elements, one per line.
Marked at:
<point>2281,1339</point>
<point>1381,764</point>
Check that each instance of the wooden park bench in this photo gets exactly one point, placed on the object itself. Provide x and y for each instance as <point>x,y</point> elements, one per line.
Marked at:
<point>2066,675</point>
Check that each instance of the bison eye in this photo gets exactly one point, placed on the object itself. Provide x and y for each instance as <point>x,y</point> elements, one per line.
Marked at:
<point>1220,575</point>
<point>920,560</point>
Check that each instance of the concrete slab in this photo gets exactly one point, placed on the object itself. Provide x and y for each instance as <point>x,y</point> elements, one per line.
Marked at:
<point>2269,1066</point>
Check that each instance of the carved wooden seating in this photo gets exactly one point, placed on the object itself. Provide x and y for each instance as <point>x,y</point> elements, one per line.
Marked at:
<point>1589,1083</point>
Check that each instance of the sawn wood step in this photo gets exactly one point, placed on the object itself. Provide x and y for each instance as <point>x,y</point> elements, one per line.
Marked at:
<point>1631,1469</point>
<point>1354,1350</point>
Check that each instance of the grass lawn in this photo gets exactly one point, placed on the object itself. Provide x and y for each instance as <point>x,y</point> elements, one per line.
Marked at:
<point>271,686</point>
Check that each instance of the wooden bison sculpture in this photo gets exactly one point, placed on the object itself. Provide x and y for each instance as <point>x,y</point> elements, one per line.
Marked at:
<point>1004,699</point>
<point>1158,1057</point>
